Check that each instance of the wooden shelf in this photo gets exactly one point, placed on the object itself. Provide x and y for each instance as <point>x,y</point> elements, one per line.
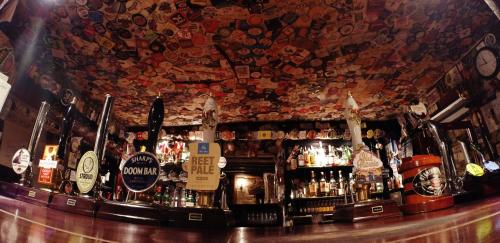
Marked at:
<point>316,198</point>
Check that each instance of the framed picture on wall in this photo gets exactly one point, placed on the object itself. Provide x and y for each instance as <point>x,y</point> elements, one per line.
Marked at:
<point>248,189</point>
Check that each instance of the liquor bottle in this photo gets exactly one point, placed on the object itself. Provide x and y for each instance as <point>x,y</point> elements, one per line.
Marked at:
<point>323,186</point>
<point>293,163</point>
<point>306,157</point>
<point>166,199</point>
<point>333,185</point>
<point>155,121</point>
<point>313,156</point>
<point>313,186</point>
<point>351,187</point>
<point>183,198</point>
<point>341,186</point>
<point>292,190</point>
<point>175,198</point>
<point>157,196</point>
<point>300,158</point>
<point>189,198</point>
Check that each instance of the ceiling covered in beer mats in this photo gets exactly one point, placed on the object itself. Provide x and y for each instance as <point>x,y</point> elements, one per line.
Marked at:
<point>261,60</point>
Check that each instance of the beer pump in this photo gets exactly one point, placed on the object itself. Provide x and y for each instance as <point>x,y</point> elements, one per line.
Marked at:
<point>27,176</point>
<point>22,163</point>
<point>141,171</point>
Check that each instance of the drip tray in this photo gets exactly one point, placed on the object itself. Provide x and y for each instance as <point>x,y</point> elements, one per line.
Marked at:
<point>130,212</point>
<point>74,204</point>
<point>8,189</point>
<point>34,195</point>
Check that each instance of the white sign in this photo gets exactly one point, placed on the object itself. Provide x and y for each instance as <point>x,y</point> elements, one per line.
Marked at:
<point>4,89</point>
<point>86,172</point>
<point>48,163</point>
<point>20,161</point>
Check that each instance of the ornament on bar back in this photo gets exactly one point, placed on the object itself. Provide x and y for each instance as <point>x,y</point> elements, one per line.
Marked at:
<point>353,121</point>
<point>155,121</point>
<point>209,119</point>
<point>27,176</point>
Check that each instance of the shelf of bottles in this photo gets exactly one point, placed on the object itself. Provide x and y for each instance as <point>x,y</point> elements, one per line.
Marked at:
<point>317,176</point>
<point>170,189</point>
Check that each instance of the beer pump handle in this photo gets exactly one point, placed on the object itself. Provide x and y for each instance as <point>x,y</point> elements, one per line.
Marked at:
<point>155,121</point>
<point>37,129</point>
<point>66,127</point>
<point>27,176</point>
<point>102,130</point>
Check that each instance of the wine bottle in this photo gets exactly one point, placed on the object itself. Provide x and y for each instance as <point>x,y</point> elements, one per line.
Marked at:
<point>155,121</point>
<point>157,197</point>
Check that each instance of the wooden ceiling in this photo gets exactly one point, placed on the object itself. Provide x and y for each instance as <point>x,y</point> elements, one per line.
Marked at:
<point>261,60</point>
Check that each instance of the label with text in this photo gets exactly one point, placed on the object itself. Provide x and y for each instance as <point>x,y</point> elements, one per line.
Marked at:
<point>45,176</point>
<point>86,172</point>
<point>20,161</point>
<point>141,171</point>
<point>203,170</point>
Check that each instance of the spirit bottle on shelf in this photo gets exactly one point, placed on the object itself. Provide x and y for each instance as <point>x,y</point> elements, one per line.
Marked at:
<point>157,196</point>
<point>313,156</point>
<point>293,163</point>
<point>306,158</point>
<point>333,185</point>
<point>166,199</point>
<point>292,190</point>
<point>351,187</point>
<point>189,198</point>
<point>341,186</point>
<point>300,158</point>
<point>322,185</point>
<point>313,186</point>
<point>182,198</point>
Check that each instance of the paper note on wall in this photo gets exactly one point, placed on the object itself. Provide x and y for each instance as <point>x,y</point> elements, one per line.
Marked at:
<point>4,89</point>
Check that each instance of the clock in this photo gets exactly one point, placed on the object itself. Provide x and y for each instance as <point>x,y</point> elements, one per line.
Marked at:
<point>487,62</point>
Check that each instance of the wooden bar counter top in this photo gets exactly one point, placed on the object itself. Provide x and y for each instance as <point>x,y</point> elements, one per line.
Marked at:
<point>477,221</point>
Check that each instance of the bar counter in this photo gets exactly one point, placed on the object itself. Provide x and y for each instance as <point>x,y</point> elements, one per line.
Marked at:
<point>477,221</point>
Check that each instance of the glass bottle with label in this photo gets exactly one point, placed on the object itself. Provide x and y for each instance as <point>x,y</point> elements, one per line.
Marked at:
<point>351,187</point>
<point>183,198</point>
<point>157,196</point>
<point>300,158</point>
<point>306,157</point>
<point>166,199</point>
<point>341,186</point>
<point>323,185</point>
<point>189,198</point>
<point>333,185</point>
<point>313,186</point>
